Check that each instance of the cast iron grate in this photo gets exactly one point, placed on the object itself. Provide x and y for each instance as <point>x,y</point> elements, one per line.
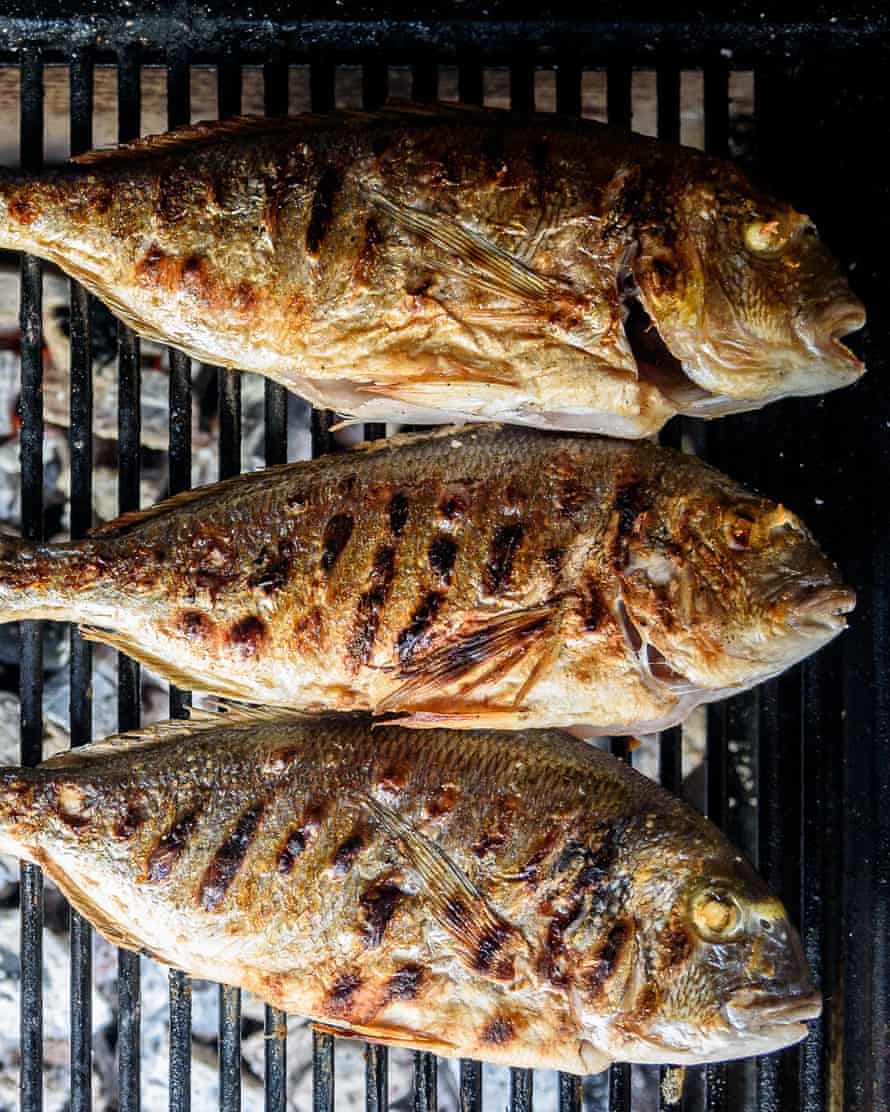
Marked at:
<point>816,741</point>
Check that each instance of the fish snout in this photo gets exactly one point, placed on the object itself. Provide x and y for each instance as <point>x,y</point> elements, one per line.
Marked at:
<point>752,1010</point>
<point>823,606</point>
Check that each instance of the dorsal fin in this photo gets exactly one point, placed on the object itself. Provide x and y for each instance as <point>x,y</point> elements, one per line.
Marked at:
<point>126,521</point>
<point>200,721</point>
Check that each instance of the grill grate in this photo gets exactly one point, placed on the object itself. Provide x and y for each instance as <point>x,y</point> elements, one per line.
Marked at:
<point>816,741</point>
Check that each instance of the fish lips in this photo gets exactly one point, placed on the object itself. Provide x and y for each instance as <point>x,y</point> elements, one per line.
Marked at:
<point>776,1021</point>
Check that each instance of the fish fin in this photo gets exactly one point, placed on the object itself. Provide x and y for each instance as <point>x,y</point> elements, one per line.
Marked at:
<point>190,136</point>
<point>498,644</point>
<point>487,942</point>
<point>593,1060</point>
<point>147,737</point>
<point>127,643</point>
<point>386,1035</point>
<point>456,717</point>
<point>484,262</point>
<point>84,905</point>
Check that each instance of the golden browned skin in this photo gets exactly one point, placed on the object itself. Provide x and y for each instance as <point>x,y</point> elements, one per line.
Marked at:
<point>433,264</point>
<point>522,899</point>
<point>487,575</point>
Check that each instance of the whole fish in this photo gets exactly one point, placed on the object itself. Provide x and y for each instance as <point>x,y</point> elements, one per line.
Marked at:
<point>483,576</point>
<point>520,899</point>
<point>433,264</point>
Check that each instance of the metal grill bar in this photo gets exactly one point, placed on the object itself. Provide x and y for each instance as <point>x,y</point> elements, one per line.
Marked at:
<point>80,670</point>
<point>30,633</point>
<point>129,681</point>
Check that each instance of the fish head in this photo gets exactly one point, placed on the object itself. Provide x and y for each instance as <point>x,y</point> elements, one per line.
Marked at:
<point>721,971</point>
<point>749,303</point>
<point>719,588</point>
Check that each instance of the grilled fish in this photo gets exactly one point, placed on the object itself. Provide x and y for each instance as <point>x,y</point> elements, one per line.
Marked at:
<point>497,576</point>
<point>434,264</point>
<point>520,899</point>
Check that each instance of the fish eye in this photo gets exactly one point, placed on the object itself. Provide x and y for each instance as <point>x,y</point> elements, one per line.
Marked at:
<point>765,237</point>
<point>716,915</point>
<point>738,529</point>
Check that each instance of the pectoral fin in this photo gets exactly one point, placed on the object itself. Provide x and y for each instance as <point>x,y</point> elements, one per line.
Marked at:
<point>479,653</point>
<point>487,942</point>
<point>482,262</point>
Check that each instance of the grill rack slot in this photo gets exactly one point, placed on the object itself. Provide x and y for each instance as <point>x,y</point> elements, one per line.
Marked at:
<point>789,730</point>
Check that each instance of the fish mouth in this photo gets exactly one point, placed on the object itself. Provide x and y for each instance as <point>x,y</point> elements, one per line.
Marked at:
<point>822,610</point>
<point>764,1013</point>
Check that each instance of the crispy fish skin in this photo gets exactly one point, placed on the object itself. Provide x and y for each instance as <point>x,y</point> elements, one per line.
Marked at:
<point>435,263</point>
<point>520,899</point>
<point>487,575</point>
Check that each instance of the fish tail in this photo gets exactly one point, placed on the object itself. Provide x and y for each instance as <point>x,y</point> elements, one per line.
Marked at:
<point>39,580</point>
<point>17,786</point>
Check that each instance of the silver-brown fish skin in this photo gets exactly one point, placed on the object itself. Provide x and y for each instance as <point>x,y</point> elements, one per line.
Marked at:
<point>432,264</point>
<point>484,576</point>
<point>521,899</point>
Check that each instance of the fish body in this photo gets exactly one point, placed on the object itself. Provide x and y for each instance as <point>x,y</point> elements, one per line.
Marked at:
<point>432,264</point>
<point>487,575</point>
<point>521,899</point>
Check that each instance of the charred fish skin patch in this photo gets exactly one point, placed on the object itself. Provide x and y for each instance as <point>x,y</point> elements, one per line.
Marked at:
<point>341,995</point>
<point>608,958</point>
<point>405,983</point>
<point>369,610</point>
<point>442,555</point>
<point>134,813</point>
<point>398,513</point>
<point>413,637</point>
<point>346,853</point>
<point>505,544</point>
<point>294,845</point>
<point>336,536</point>
<point>222,870</point>
<point>379,903</point>
<point>322,210</point>
<point>171,846</point>
<point>248,636</point>
<point>499,1031</point>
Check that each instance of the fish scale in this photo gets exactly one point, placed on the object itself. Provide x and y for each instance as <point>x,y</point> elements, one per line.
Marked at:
<point>521,899</point>
<point>478,576</point>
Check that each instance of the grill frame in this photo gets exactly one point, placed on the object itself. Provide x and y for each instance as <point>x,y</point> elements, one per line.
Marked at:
<point>818,738</point>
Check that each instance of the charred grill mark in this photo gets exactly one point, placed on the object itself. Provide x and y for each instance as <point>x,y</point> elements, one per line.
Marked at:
<point>322,210</point>
<point>293,847</point>
<point>369,609</point>
<point>368,252</point>
<point>550,963</point>
<point>346,853</point>
<point>499,1032</point>
<point>608,957</point>
<point>273,570</point>
<point>227,860</point>
<point>570,497</point>
<point>336,536</point>
<point>247,636</point>
<point>171,846</point>
<point>441,555</point>
<point>675,945</point>
<point>412,637</point>
<point>404,984</point>
<point>453,507</point>
<point>24,210</point>
<point>379,903</point>
<point>194,625</point>
<point>134,815</point>
<point>631,500</point>
<point>158,269</point>
<point>342,991</point>
<point>504,545</point>
<point>489,958</point>
<point>398,514</point>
